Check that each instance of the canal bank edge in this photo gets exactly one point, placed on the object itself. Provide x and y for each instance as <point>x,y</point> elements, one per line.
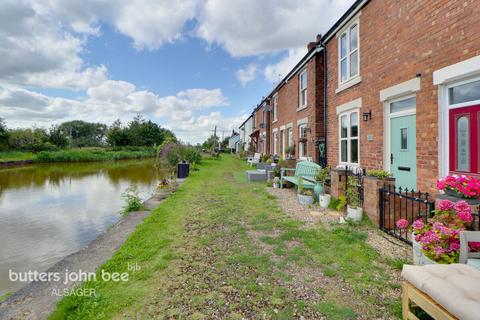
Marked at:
<point>35,300</point>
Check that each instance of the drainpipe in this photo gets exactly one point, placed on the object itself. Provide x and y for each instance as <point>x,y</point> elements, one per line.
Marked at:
<point>325,75</point>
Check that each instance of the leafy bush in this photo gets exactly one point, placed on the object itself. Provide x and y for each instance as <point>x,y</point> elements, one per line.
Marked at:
<point>338,203</point>
<point>174,153</point>
<point>381,174</point>
<point>132,199</point>
<point>353,196</point>
<point>323,175</point>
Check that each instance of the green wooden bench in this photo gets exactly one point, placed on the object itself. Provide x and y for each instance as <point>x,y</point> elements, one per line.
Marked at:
<point>305,169</point>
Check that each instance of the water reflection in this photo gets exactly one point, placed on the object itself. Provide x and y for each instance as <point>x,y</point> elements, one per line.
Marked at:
<point>48,211</point>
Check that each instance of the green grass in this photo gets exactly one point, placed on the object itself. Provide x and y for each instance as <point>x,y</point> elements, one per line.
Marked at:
<point>77,155</point>
<point>222,247</point>
<point>15,156</point>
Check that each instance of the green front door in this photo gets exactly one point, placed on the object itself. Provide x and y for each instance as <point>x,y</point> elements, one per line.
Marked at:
<point>403,158</point>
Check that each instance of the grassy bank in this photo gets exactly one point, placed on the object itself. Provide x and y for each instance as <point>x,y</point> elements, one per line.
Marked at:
<point>222,247</point>
<point>77,155</point>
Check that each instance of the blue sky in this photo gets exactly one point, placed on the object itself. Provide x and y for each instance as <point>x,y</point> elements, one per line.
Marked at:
<point>187,65</point>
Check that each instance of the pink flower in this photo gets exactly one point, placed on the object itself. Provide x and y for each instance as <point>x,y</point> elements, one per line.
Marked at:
<point>474,246</point>
<point>418,238</point>
<point>438,250</point>
<point>418,224</point>
<point>462,206</point>
<point>445,231</point>
<point>465,216</point>
<point>429,237</point>
<point>402,224</point>
<point>455,246</point>
<point>440,184</point>
<point>445,205</point>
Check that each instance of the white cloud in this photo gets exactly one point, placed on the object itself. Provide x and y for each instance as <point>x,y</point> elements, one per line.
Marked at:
<point>276,72</point>
<point>246,75</point>
<point>252,27</point>
<point>113,100</point>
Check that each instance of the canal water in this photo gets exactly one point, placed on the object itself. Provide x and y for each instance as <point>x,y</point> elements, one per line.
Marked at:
<point>48,211</point>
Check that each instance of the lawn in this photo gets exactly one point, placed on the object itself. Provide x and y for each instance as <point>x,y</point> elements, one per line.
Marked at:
<point>221,247</point>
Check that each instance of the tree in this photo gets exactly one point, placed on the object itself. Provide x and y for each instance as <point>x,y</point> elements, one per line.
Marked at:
<point>3,134</point>
<point>117,135</point>
<point>84,134</point>
<point>211,143</point>
<point>57,137</point>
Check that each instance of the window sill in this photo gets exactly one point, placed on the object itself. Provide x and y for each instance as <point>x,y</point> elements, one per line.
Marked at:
<point>348,84</point>
<point>301,108</point>
<point>274,121</point>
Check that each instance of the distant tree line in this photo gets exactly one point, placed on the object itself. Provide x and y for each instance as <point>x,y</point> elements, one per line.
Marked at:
<point>78,134</point>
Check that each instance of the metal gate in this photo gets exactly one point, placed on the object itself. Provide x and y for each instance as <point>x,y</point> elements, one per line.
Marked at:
<point>406,204</point>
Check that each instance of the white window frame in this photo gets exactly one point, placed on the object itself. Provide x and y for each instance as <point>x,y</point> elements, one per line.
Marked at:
<point>275,108</point>
<point>283,140</point>
<point>302,134</point>
<point>346,32</point>
<point>275,141</point>
<point>387,119</point>
<point>302,90</point>
<point>348,138</point>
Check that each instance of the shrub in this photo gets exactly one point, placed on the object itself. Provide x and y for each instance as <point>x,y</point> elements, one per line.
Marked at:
<point>440,237</point>
<point>353,196</point>
<point>381,174</point>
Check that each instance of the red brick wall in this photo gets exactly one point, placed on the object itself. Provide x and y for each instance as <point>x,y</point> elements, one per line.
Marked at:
<point>288,102</point>
<point>399,39</point>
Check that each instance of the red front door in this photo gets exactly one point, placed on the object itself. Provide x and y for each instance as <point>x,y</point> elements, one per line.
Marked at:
<point>464,140</point>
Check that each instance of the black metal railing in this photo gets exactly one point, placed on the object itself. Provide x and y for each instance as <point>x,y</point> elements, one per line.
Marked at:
<point>396,204</point>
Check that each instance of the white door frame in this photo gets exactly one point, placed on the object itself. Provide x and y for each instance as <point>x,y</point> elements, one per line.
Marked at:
<point>387,116</point>
<point>444,123</point>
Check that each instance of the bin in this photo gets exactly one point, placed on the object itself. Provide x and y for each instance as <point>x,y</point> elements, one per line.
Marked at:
<point>183,169</point>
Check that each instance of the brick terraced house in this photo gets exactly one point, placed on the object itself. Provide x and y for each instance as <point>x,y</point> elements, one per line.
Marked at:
<point>297,109</point>
<point>403,89</point>
<point>402,92</point>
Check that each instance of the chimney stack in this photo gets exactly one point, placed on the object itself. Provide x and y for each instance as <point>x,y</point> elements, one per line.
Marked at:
<point>311,45</point>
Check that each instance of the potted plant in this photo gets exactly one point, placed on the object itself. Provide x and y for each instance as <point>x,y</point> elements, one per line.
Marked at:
<point>322,176</point>
<point>380,174</point>
<point>354,208</point>
<point>305,197</point>
<point>290,150</point>
<point>438,240</point>
<point>460,186</point>
<point>276,182</point>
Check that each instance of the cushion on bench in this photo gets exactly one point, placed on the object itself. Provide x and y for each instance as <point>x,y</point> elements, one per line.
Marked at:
<point>456,287</point>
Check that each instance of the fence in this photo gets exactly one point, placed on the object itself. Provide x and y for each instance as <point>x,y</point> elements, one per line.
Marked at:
<point>406,204</point>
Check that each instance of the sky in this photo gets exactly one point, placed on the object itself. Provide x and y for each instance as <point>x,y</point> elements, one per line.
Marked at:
<point>188,65</point>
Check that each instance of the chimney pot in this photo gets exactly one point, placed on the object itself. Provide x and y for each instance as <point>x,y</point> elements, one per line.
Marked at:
<point>319,38</point>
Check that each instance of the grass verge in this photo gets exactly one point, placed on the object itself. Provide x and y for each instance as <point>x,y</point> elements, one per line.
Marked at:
<point>221,247</point>
<point>77,155</point>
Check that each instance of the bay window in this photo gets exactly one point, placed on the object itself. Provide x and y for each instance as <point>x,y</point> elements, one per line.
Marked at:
<point>349,137</point>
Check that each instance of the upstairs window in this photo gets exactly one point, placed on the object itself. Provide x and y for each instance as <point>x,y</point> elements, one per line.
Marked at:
<point>349,53</point>
<point>275,107</point>
<point>303,89</point>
